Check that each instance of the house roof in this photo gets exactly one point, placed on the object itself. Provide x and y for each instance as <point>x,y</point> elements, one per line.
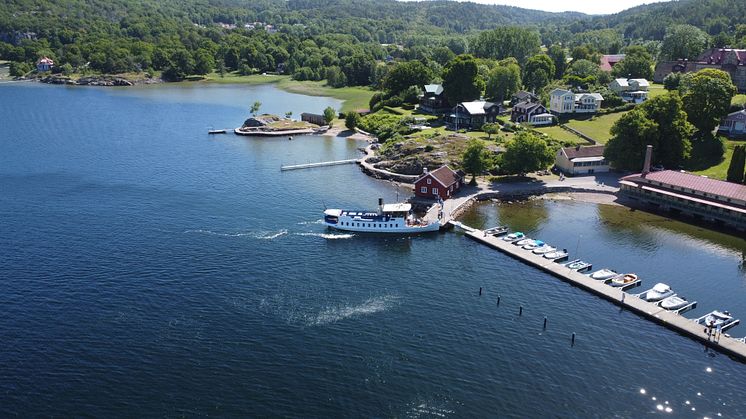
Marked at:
<point>622,82</point>
<point>583,152</point>
<point>477,107</point>
<point>435,89</point>
<point>736,113</point>
<point>596,96</point>
<point>444,175</point>
<point>523,95</point>
<point>560,92</point>
<point>641,82</point>
<point>694,182</point>
<point>527,106</point>
<point>45,60</point>
<point>608,61</point>
<point>718,56</point>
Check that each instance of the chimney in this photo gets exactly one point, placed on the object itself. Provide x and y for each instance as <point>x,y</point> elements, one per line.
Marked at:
<point>648,156</point>
<point>424,170</point>
<point>380,205</point>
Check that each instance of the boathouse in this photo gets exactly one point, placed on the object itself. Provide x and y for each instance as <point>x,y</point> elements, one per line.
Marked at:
<point>581,160</point>
<point>440,183</point>
<point>688,194</point>
<point>313,118</point>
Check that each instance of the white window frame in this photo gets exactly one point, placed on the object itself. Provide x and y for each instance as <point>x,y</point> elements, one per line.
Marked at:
<point>435,191</point>
<point>423,189</point>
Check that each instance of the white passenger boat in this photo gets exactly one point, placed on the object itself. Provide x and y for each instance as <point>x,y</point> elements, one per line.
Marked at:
<point>514,236</point>
<point>604,274</point>
<point>657,293</point>
<point>390,218</point>
<point>533,245</point>
<point>541,250</point>
<point>556,255</point>
<point>674,303</point>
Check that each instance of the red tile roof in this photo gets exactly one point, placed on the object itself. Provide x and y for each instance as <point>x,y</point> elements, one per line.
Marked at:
<point>444,175</point>
<point>718,55</point>
<point>608,61</point>
<point>590,151</point>
<point>698,183</point>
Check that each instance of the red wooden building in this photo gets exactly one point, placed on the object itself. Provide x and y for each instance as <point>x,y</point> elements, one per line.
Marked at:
<point>441,183</point>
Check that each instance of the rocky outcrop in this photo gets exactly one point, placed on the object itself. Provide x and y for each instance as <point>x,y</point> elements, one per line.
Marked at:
<point>103,80</point>
<point>260,121</point>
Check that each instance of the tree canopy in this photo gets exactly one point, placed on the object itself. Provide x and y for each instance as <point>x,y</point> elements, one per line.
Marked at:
<point>460,79</point>
<point>707,95</point>
<point>683,41</point>
<point>509,41</point>
<point>475,159</point>
<point>527,152</point>
<point>503,81</point>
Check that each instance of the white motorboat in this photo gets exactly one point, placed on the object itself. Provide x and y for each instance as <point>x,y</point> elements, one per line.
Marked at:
<point>523,241</point>
<point>390,218</point>
<point>514,236</point>
<point>556,254</point>
<point>674,303</point>
<point>542,250</point>
<point>604,274</point>
<point>496,231</point>
<point>623,280</point>
<point>717,318</point>
<point>657,293</point>
<point>533,245</point>
<point>578,265</point>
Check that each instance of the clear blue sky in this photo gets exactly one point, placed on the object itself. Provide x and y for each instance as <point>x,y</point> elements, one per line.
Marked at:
<point>584,6</point>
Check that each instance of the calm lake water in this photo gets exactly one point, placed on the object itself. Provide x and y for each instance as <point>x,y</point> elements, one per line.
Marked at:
<point>150,270</point>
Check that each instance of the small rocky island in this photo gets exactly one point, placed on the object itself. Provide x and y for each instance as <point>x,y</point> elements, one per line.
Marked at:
<point>273,125</point>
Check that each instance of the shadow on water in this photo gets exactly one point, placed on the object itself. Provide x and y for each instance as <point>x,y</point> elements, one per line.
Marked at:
<point>526,216</point>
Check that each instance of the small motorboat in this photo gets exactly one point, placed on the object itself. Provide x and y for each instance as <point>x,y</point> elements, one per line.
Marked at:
<point>534,245</point>
<point>623,280</point>
<point>604,274</point>
<point>718,318</point>
<point>216,131</point>
<point>657,293</point>
<point>523,241</point>
<point>556,254</point>
<point>514,236</point>
<point>578,265</point>
<point>542,250</point>
<point>496,231</point>
<point>674,303</point>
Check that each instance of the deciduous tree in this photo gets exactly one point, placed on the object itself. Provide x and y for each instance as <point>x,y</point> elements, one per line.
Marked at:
<point>460,79</point>
<point>527,152</point>
<point>475,159</point>
<point>683,41</point>
<point>737,165</point>
<point>707,95</point>
<point>503,81</point>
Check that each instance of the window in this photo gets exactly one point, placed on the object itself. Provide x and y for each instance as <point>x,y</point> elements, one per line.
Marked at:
<point>435,191</point>
<point>429,181</point>
<point>423,189</point>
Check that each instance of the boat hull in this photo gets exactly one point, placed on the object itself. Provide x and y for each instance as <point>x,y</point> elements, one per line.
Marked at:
<point>394,230</point>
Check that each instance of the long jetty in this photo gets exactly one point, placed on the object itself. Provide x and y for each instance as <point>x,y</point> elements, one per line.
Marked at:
<point>676,322</point>
<point>319,164</point>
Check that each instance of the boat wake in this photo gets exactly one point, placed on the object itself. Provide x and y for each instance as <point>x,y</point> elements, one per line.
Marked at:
<point>328,236</point>
<point>305,223</point>
<point>331,315</point>
<point>261,235</point>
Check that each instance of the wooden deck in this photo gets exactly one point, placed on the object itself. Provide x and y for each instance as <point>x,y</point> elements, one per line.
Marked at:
<point>727,345</point>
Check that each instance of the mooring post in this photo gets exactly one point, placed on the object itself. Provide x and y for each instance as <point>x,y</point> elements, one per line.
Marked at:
<point>545,322</point>
<point>573,338</point>
<point>520,310</point>
<point>498,299</point>
<point>480,290</point>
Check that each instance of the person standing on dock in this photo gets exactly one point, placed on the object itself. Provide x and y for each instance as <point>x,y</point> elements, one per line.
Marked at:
<point>718,331</point>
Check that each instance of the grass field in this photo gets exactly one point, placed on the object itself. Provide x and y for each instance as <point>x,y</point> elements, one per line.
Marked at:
<point>720,171</point>
<point>656,90</point>
<point>561,135</point>
<point>597,127</point>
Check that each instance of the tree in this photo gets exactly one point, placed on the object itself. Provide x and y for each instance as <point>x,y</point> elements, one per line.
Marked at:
<point>288,114</point>
<point>460,79</point>
<point>538,72</point>
<point>527,152</point>
<point>683,41</point>
<point>19,69</point>
<point>737,165</point>
<point>507,41</point>
<point>475,159</point>
<point>672,81</point>
<point>660,122</point>
<point>329,115</point>
<point>503,81</point>
<point>404,75</point>
<point>637,64</point>
<point>559,58</point>
<point>582,73</point>
<point>254,109</point>
<point>352,119</point>
<point>491,128</point>
<point>707,95</point>
<point>204,63</point>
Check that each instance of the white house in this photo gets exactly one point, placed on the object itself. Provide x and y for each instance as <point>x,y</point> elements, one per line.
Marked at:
<point>581,160</point>
<point>734,124</point>
<point>566,102</point>
<point>44,64</point>
<point>631,90</point>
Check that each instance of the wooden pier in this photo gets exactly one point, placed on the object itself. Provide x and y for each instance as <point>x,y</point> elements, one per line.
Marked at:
<point>319,164</point>
<point>726,344</point>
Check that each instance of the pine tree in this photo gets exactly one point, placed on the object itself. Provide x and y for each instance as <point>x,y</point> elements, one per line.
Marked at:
<point>737,163</point>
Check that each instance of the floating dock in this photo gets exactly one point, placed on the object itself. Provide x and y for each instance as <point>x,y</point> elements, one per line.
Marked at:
<point>727,345</point>
<point>319,164</point>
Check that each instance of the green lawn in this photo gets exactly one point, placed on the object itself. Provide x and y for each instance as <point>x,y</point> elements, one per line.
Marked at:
<point>656,90</point>
<point>720,171</point>
<point>561,134</point>
<point>738,100</point>
<point>597,127</point>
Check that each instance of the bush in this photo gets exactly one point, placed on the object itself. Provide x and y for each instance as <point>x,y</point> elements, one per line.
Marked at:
<point>352,119</point>
<point>672,81</point>
<point>19,69</point>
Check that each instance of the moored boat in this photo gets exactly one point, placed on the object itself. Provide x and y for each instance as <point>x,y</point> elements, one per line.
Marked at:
<point>623,280</point>
<point>533,245</point>
<point>673,303</point>
<point>523,241</point>
<point>716,318</point>
<point>604,274</point>
<point>216,131</point>
<point>496,231</point>
<point>514,236</point>
<point>657,293</point>
<point>390,218</point>
<point>556,255</point>
<point>578,265</point>
<point>542,250</point>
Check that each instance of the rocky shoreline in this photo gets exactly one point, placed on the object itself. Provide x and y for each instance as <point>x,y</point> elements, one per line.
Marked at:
<point>102,80</point>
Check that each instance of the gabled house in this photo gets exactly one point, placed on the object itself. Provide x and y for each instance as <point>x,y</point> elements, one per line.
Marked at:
<point>523,96</point>
<point>441,183</point>
<point>631,90</point>
<point>434,100</point>
<point>472,115</point>
<point>564,102</point>
<point>581,160</point>
<point>609,61</point>
<point>732,61</point>
<point>531,113</point>
<point>734,124</point>
<point>44,64</point>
